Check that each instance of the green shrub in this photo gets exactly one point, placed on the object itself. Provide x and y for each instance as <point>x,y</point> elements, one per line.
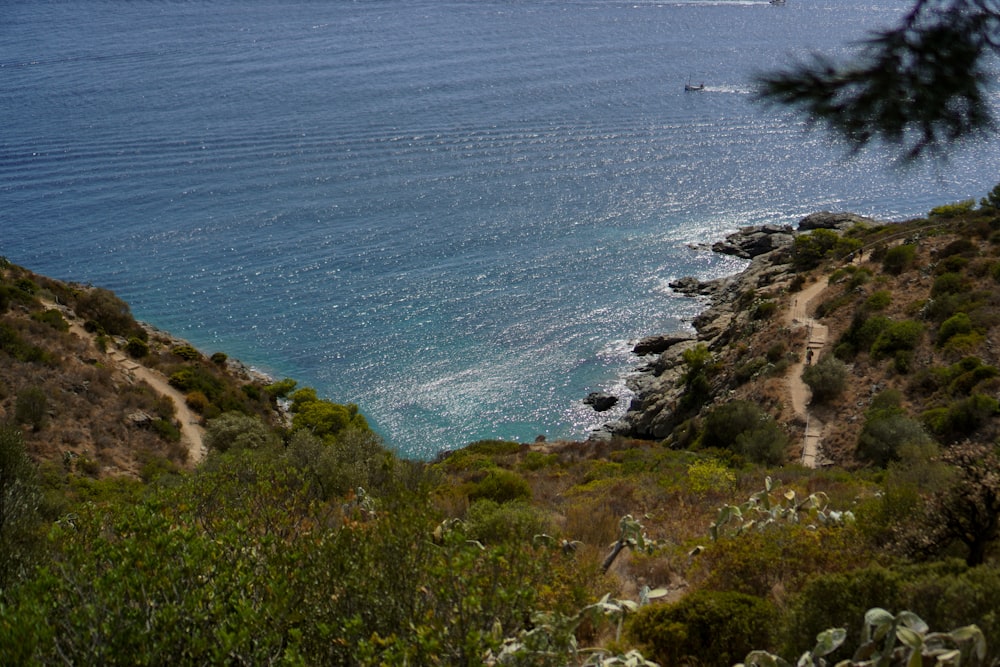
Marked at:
<point>991,200</point>
<point>965,378</point>
<point>959,323</point>
<point>964,343</point>
<point>960,419</point>
<point>51,317</point>
<point>878,300</point>
<point>166,430</point>
<point>110,314</point>
<point>237,431</point>
<point>776,352</point>
<point>887,431</point>
<point>281,388</point>
<point>812,248</point>
<point>764,310</point>
<point>746,429</point>
<point>337,467</point>
<point>327,419</point>
<point>493,523</point>
<point>708,476</point>
<point>13,344</point>
<point>700,366</point>
<point>32,407</point>
<point>494,447</point>
<point>197,401</point>
<point>20,498</point>
<point>861,334</point>
<point>950,283</point>
<point>537,461</point>
<point>196,378</point>
<point>899,258</point>
<point>953,210</point>
<point>961,246</point>
<point>827,378</point>
<point>956,596</point>
<point>838,600</point>
<point>501,486</point>
<point>219,358</point>
<point>903,335</point>
<point>953,264</point>
<point>136,347</point>
<point>186,352</point>
<point>706,628</point>
<point>746,370</point>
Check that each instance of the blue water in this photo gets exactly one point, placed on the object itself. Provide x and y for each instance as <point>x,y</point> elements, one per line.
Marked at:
<point>456,214</point>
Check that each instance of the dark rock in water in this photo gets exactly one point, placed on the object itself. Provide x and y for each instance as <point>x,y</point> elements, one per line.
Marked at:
<point>601,401</point>
<point>659,343</point>
<point>828,220</point>
<point>688,285</point>
<point>749,242</point>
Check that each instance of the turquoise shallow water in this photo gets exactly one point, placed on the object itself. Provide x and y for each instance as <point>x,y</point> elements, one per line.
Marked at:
<point>455,214</point>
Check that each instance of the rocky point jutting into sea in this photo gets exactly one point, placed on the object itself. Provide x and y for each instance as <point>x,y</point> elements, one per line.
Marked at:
<point>657,384</point>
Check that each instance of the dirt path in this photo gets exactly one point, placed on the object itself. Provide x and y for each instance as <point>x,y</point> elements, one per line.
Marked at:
<point>798,316</point>
<point>192,434</point>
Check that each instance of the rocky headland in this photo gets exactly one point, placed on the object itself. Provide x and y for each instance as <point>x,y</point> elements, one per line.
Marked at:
<point>730,308</point>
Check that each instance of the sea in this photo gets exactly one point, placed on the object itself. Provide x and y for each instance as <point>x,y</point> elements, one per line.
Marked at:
<point>458,214</point>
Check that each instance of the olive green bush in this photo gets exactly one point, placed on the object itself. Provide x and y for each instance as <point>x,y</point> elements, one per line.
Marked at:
<point>20,498</point>
<point>32,407</point>
<point>827,378</point>
<point>812,248</point>
<point>897,337</point>
<point>235,431</point>
<point>51,317</point>
<point>136,347</point>
<point>705,628</point>
<point>888,430</point>
<point>746,429</point>
<point>490,522</point>
<point>110,314</point>
<point>500,486</point>
<point>899,258</point>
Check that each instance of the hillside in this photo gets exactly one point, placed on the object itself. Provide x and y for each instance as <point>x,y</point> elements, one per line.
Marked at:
<point>822,444</point>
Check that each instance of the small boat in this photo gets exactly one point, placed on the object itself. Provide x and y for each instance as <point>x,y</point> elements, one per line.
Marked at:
<point>776,2</point>
<point>690,87</point>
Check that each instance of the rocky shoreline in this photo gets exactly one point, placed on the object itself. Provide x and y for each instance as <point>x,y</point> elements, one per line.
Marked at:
<point>657,383</point>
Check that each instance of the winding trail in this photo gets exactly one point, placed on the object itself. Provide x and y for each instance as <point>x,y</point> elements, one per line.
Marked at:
<point>192,434</point>
<point>797,317</point>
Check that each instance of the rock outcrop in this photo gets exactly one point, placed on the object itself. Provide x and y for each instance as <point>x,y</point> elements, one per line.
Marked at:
<point>828,220</point>
<point>658,384</point>
<point>659,343</point>
<point>750,242</point>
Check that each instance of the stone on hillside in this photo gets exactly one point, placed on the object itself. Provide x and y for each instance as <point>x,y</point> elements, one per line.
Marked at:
<point>828,220</point>
<point>139,419</point>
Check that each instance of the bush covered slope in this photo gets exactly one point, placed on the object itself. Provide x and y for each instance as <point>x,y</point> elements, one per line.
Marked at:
<point>302,539</point>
